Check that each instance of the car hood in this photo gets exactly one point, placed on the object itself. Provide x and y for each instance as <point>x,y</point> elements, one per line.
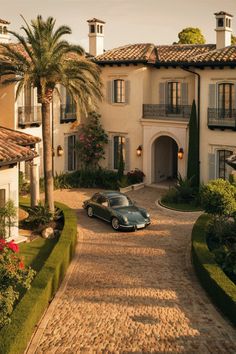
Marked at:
<point>132,213</point>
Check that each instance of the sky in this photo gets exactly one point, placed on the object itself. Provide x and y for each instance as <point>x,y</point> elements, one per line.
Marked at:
<point>127,21</point>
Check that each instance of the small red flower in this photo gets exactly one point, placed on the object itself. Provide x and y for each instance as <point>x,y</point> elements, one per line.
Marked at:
<point>13,246</point>
<point>21,265</point>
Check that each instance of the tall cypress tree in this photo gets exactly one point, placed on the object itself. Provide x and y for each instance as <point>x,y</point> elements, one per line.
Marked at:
<point>193,148</point>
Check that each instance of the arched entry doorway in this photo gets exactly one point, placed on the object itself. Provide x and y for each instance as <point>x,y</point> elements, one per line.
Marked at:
<point>165,159</point>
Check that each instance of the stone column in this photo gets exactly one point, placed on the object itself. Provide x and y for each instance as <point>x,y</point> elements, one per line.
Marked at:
<point>34,183</point>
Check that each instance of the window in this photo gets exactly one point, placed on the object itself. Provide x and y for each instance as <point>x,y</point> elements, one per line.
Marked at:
<point>174,96</point>
<point>220,22</point>
<point>225,99</point>
<point>71,153</point>
<point>70,105</point>
<point>92,29</point>
<point>4,30</point>
<point>0,29</point>
<point>119,91</point>
<point>223,171</point>
<point>101,30</point>
<point>2,197</point>
<point>119,145</point>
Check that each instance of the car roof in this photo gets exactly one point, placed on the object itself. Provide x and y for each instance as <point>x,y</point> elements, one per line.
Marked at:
<point>110,194</point>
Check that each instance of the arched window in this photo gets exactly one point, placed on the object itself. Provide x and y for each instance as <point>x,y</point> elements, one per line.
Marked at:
<point>101,30</point>
<point>4,30</point>
<point>226,99</point>
<point>98,28</point>
<point>92,29</point>
<point>119,91</point>
<point>0,29</point>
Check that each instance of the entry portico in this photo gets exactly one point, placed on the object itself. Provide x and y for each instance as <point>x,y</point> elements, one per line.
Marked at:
<point>161,142</point>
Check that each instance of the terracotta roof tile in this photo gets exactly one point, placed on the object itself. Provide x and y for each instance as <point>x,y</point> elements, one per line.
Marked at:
<point>14,146</point>
<point>217,56</point>
<point>178,53</point>
<point>130,52</point>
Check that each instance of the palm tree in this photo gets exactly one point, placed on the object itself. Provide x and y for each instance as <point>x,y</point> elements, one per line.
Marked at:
<point>42,59</point>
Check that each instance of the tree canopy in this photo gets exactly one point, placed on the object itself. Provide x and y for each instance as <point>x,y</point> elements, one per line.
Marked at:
<point>191,35</point>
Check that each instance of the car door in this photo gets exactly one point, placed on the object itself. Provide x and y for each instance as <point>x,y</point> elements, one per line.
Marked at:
<point>102,210</point>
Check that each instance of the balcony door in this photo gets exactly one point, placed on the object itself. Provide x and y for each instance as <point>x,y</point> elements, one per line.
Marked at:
<point>226,100</point>
<point>174,97</point>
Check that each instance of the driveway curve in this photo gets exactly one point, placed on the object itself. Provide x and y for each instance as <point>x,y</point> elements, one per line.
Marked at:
<point>132,292</point>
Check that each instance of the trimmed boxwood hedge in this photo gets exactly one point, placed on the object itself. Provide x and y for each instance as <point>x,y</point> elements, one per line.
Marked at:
<point>220,288</point>
<point>15,336</point>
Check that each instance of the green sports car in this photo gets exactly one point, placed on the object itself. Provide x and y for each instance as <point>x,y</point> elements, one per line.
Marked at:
<point>117,209</point>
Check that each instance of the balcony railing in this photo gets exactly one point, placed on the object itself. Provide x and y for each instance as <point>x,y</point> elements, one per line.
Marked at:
<point>160,111</point>
<point>67,113</point>
<point>29,116</point>
<point>222,118</point>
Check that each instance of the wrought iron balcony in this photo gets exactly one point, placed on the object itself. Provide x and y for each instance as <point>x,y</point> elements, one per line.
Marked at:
<point>68,113</point>
<point>29,116</point>
<point>160,111</point>
<point>221,118</point>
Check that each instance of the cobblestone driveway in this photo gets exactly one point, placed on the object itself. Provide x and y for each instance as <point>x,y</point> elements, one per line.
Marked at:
<point>133,292</point>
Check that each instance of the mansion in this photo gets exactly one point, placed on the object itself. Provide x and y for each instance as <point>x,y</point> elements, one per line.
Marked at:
<point>148,93</point>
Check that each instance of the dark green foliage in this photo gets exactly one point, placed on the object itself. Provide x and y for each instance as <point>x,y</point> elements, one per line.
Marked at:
<point>91,141</point>
<point>15,336</point>
<point>193,148</point>
<point>221,289</point>
<point>183,192</point>
<point>99,178</point>
<point>135,176</point>
<point>24,186</point>
<point>218,198</point>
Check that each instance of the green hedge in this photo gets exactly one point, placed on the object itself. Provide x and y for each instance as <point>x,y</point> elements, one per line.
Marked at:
<point>15,336</point>
<point>220,288</point>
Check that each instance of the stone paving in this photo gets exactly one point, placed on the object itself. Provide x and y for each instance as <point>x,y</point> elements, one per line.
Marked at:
<point>133,292</point>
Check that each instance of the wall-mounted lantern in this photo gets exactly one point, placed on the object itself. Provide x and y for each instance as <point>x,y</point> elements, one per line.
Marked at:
<point>181,153</point>
<point>60,150</point>
<point>139,150</point>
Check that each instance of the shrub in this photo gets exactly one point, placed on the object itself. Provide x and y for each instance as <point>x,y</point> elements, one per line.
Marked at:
<point>8,215</point>
<point>39,215</point>
<point>135,176</point>
<point>185,189</point>
<point>14,277</point>
<point>91,140</point>
<point>172,196</point>
<point>218,198</point>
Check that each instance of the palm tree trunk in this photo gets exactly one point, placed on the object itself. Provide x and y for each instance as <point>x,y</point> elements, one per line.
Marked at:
<point>47,156</point>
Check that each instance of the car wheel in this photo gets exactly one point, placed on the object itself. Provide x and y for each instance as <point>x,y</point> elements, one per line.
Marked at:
<point>115,224</point>
<point>90,211</point>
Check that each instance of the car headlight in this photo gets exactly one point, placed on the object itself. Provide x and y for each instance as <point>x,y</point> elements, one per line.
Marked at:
<point>147,215</point>
<point>125,219</point>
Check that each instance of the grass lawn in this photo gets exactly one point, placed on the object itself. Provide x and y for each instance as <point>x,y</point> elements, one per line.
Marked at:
<point>181,206</point>
<point>35,253</point>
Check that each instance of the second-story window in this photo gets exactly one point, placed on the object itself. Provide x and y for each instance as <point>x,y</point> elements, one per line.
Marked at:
<point>225,99</point>
<point>119,91</point>
<point>174,97</point>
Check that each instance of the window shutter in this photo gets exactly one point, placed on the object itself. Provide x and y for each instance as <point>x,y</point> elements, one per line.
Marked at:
<point>127,91</point>
<point>127,154</point>
<point>184,94</point>
<point>212,96</point>
<point>66,153</point>
<point>162,92</point>
<point>234,98</point>
<point>110,92</point>
<point>167,99</point>
<point>212,166</point>
<point>110,153</point>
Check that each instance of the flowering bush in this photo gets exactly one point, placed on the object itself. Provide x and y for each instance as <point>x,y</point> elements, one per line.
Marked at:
<point>135,176</point>
<point>91,141</point>
<point>14,277</point>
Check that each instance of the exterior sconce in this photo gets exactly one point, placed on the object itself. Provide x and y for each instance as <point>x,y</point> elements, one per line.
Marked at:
<point>139,151</point>
<point>60,150</point>
<point>180,153</point>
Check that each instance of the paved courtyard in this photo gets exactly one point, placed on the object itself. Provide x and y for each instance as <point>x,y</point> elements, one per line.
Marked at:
<point>132,292</point>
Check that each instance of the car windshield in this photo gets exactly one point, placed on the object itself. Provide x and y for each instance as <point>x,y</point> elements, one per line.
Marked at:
<point>120,201</point>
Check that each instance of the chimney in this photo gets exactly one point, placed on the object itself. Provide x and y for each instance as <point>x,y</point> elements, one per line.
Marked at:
<point>4,35</point>
<point>96,36</point>
<point>223,29</point>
